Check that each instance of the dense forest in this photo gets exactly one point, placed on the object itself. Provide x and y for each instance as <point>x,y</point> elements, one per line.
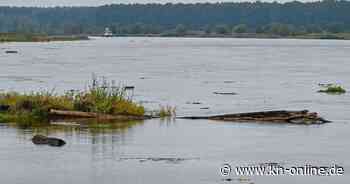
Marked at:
<point>278,18</point>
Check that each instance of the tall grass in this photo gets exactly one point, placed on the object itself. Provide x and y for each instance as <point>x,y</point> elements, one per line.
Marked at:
<point>164,112</point>
<point>106,97</point>
<point>35,105</point>
<point>100,97</point>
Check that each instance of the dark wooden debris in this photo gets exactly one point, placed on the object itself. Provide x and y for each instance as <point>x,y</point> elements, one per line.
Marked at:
<point>43,140</point>
<point>11,52</point>
<point>225,93</point>
<point>283,116</point>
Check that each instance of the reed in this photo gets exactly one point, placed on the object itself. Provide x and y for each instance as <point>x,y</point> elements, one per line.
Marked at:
<point>101,96</point>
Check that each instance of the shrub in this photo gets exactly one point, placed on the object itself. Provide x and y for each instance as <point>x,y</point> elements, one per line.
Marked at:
<point>333,89</point>
<point>167,111</point>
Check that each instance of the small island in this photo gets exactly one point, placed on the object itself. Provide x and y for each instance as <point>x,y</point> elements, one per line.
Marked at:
<point>102,100</point>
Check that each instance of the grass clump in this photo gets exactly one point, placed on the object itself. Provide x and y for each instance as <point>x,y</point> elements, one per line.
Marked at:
<point>165,111</point>
<point>107,98</point>
<point>32,106</point>
<point>101,97</point>
<point>332,89</point>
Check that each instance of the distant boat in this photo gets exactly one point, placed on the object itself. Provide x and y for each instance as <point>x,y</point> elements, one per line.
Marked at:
<point>108,32</point>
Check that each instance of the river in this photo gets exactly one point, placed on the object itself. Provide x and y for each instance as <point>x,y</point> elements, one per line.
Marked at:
<point>266,74</point>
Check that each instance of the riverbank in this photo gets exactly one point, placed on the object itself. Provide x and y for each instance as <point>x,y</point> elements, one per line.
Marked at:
<point>324,36</point>
<point>18,37</point>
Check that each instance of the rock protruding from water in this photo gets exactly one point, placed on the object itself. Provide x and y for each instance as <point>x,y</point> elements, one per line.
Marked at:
<point>43,140</point>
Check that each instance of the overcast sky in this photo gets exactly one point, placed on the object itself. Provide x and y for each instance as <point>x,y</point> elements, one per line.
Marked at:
<point>101,2</point>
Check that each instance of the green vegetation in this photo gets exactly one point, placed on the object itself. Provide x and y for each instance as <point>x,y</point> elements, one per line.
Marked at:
<point>165,111</point>
<point>8,37</point>
<point>27,37</point>
<point>333,89</point>
<point>180,30</point>
<point>101,97</point>
<point>241,28</point>
<point>320,19</point>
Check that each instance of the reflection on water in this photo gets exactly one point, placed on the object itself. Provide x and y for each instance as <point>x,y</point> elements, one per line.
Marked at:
<point>95,130</point>
<point>156,150</point>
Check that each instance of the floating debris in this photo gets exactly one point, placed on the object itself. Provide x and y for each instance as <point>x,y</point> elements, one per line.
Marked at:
<point>227,179</point>
<point>143,78</point>
<point>240,180</point>
<point>148,101</point>
<point>129,87</point>
<point>325,84</point>
<point>294,117</point>
<point>11,52</point>
<point>225,93</point>
<point>194,103</point>
<point>43,140</point>
<point>160,159</point>
<point>229,82</point>
<point>266,164</point>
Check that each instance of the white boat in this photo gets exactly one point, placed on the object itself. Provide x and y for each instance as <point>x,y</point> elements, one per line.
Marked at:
<point>108,32</point>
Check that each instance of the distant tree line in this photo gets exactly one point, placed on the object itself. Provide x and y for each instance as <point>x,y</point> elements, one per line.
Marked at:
<point>290,18</point>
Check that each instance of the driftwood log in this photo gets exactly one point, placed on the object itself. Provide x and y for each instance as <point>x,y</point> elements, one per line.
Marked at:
<point>295,117</point>
<point>78,114</point>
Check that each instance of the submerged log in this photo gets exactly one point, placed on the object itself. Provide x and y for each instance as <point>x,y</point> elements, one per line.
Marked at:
<point>295,117</point>
<point>80,114</point>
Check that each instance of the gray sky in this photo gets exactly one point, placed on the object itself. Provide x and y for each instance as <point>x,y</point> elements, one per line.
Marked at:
<point>101,2</point>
